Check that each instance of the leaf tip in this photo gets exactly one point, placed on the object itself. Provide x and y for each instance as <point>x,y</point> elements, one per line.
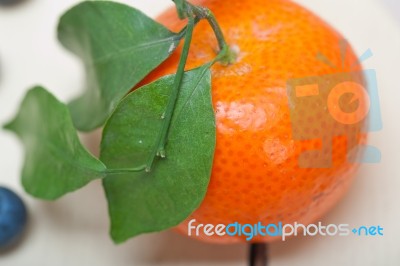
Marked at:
<point>116,238</point>
<point>11,125</point>
<point>8,125</point>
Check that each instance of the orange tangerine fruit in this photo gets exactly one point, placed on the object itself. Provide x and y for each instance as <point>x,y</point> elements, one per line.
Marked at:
<point>285,119</point>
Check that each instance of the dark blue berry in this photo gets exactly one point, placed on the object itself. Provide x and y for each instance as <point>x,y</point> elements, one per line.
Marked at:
<point>13,217</point>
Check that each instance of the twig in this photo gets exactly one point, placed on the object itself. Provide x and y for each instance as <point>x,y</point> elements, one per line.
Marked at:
<point>258,254</point>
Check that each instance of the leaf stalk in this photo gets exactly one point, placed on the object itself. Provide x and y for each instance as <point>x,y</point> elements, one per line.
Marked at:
<point>159,150</point>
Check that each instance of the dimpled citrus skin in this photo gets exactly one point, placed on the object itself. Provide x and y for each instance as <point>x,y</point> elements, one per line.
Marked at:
<point>256,174</point>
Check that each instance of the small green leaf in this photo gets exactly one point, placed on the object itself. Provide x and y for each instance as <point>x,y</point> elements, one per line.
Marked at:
<point>55,160</point>
<point>142,202</point>
<point>119,46</point>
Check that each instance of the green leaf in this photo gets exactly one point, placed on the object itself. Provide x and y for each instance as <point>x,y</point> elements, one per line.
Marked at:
<point>55,160</point>
<point>119,46</point>
<point>143,201</point>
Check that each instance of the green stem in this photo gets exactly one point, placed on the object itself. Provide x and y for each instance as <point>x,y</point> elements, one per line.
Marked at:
<point>167,116</point>
<point>203,12</point>
<point>183,31</point>
<point>184,8</point>
<point>226,55</point>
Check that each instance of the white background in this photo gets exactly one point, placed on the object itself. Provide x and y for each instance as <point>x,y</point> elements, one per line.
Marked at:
<point>73,230</point>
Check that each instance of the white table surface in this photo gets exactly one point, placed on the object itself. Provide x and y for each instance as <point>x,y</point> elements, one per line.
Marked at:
<point>73,230</point>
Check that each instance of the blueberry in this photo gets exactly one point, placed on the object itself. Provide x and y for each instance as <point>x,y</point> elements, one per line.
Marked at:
<point>13,217</point>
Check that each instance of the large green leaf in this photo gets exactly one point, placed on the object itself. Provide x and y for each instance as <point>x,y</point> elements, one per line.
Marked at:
<point>55,160</point>
<point>119,46</point>
<point>142,202</point>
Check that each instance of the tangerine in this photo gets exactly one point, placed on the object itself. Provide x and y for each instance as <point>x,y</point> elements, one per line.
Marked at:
<point>280,156</point>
